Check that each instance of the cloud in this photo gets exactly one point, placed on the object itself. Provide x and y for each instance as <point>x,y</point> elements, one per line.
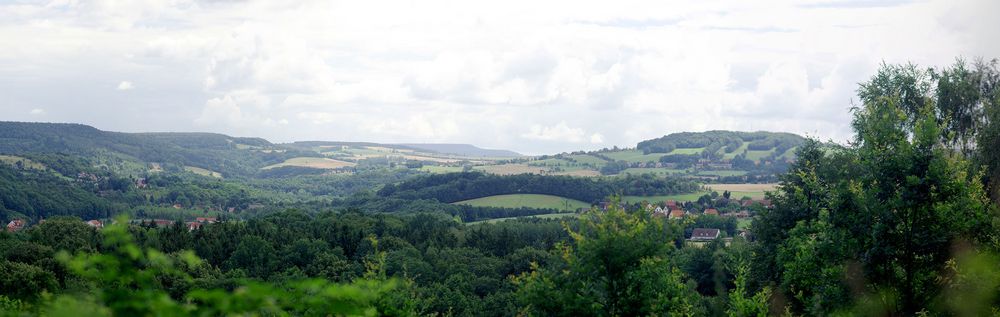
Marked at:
<point>596,138</point>
<point>528,76</point>
<point>37,111</point>
<point>125,85</point>
<point>558,132</point>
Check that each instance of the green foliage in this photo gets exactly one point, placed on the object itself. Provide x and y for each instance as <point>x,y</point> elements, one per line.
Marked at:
<point>129,280</point>
<point>742,304</point>
<point>617,266</point>
<point>464,186</point>
<point>870,229</point>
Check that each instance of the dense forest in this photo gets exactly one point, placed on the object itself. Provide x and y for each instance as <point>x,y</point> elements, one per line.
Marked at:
<point>901,221</point>
<point>463,186</point>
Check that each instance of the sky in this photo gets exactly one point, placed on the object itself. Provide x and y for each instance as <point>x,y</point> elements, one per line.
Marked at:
<point>536,77</point>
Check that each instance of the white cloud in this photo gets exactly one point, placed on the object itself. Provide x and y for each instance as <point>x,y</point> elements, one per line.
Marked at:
<point>533,77</point>
<point>559,132</point>
<point>37,111</point>
<point>125,85</point>
<point>596,138</point>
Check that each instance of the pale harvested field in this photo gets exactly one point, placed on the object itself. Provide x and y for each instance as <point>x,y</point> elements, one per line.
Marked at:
<point>313,162</point>
<point>512,169</point>
<point>581,173</point>
<point>742,187</point>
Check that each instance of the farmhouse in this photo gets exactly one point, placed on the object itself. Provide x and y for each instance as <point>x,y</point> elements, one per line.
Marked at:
<point>703,234</point>
<point>15,225</point>
<point>95,223</point>
<point>671,204</point>
<point>712,211</point>
<point>676,214</point>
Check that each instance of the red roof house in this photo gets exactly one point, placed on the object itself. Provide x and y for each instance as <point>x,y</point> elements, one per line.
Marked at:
<point>15,225</point>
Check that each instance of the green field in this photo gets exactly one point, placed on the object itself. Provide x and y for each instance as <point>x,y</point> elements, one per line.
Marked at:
<point>588,159</point>
<point>723,173</point>
<point>653,170</point>
<point>202,171</point>
<point>679,197</point>
<point>733,154</point>
<point>527,200</point>
<point>789,154</point>
<point>687,151</point>
<point>550,162</point>
<point>440,169</point>
<point>545,216</point>
<point>634,156</point>
<point>26,163</point>
<point>757,155</point>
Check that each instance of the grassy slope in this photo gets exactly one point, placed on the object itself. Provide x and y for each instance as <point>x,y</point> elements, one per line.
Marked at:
<point>440,169</point>
<point>653,170</point>
<point>634,156</point>
<point>202,171</point>
<point>313,162</point>
<point>526,200</point>
<point>545,216</point>
<point>12,160</point>
<point>679,197</point>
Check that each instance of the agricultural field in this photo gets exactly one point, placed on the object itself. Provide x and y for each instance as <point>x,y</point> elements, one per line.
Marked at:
<point>202,171</point>
<point>755,191</point>
<point>25,163</point>
<point>733,154</point>
<point>588,159</point>
<point>757,155</point>
<point>634,156</point>
<point>545,216</point>
<point>526,200</point>
<point>512,169</point>
<point>722,173</point>
<point>679,197</point>
<point>789,154</point>
<point>659,171</point>
<point>313,162</point>
<point>578,173</point>
<point>440,169</point>
<point>687,151</point>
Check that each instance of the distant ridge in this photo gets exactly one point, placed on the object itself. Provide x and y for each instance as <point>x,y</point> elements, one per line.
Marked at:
<point>462,149</point>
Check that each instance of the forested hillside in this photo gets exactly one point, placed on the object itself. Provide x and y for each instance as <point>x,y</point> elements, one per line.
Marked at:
<point>233,157</point>
<point>463,186</point>
<point>902,221</point>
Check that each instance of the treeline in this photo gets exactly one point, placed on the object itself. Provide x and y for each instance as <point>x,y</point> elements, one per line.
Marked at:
<point>375,264</point>
<point>897,223</point>
<point>455,187</point>
<point>714,141</point>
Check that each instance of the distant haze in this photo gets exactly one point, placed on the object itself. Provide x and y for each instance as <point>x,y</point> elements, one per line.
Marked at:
<point>530,76</point>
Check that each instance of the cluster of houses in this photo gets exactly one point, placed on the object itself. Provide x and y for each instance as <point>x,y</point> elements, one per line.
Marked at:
<point>674,210</point>
<point>20,224</point>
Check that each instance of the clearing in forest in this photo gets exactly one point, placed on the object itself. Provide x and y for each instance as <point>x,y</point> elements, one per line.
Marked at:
<point>526,200</point>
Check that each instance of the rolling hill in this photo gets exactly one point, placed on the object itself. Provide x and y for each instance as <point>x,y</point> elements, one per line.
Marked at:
<point>462,150</point>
